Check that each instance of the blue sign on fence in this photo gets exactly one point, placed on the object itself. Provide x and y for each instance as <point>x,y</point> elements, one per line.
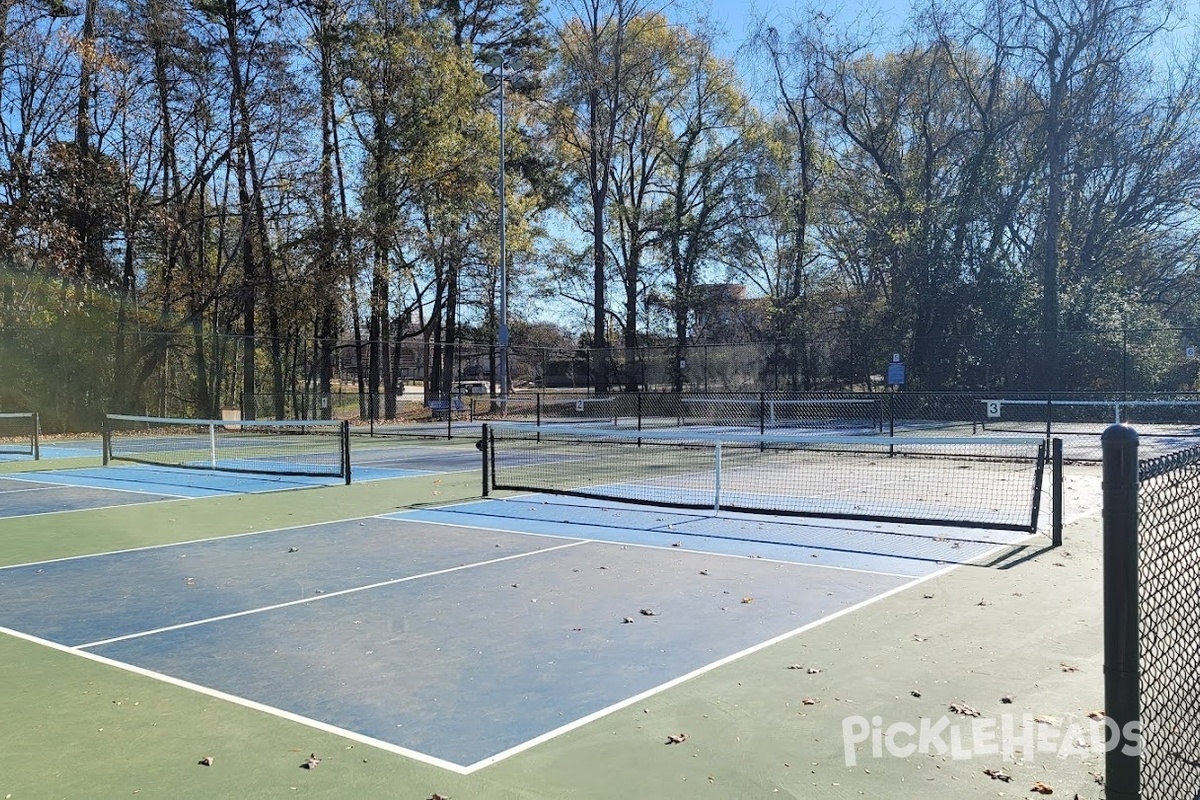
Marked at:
<point>895,373</point>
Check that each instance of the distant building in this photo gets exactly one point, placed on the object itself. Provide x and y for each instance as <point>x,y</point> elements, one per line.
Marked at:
<point>724,315</point>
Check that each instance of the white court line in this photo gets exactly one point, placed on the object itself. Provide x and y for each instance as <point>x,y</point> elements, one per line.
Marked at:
<point>167,499</point>
<point>31,489</point>
<point>326,596</point>
<point>219,537</point>
<point>241,701</point>
<point>670,548</point>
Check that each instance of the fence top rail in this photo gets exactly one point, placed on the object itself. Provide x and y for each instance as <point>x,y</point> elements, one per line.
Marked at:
<point>1066,401</point>
<point>220,423</point>
<point>810,401</point>
<point>499,429</point>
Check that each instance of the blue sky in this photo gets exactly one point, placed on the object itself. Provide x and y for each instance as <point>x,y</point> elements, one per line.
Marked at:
<point>736,15</point>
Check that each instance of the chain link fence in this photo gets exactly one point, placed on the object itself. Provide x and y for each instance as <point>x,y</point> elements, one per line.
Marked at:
<point>74,374</point>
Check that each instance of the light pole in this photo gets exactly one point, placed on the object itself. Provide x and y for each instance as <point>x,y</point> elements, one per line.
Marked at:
<point>503,70</point>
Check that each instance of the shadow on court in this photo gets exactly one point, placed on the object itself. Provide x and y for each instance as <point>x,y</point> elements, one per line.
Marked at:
<point>455,645</point>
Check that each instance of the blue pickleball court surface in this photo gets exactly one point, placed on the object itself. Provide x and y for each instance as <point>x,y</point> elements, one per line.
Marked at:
<point>459,635</point>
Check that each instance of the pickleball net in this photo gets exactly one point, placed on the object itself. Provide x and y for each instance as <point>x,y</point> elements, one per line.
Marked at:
<point>977,482</point>
<point>20,433</point>
<point>317,448</point>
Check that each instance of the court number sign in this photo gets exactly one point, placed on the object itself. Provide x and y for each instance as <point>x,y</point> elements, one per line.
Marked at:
<point>579,405</point>
<point>993,409</point>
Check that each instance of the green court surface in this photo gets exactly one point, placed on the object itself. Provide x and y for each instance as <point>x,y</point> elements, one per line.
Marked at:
<point>766,725</point>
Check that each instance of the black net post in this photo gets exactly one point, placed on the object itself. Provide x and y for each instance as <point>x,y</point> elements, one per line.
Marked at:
<point>37,437</point>
<point>105,442</point>
<point>1122,761</point>
<point>1056,492</point>
<point>483,449</point>
<point>345,434</point>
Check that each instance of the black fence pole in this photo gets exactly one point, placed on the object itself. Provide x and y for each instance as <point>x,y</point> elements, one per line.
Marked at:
<point>483,449</point>
<point>1056,492</point>
<point>1122,701</point>
<point>345,435</point>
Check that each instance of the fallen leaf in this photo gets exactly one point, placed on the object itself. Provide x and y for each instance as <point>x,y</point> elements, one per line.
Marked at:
<point>676,738</point>
<point>809,701</point>
<point>648,612</point>
<point>794,666</point>
<point>1007,699</point>
<point>983,603</point>
<point>1096,715</point>
<point>312,762</point>
<point>1042,788</point>
<point>1069,667</point>
<point>676,544</point>
<point>915,693</point>
<point>207,761</point>
<point>964,709</point>
<point>436,796</point>
<point>919,638</point>
<point>997,775</point>
<point>1045,719</point>
<point>703,572</point>
<point>626,620</point>
<point>813,670</point>
<point>747,599</point>
<point>928,597</point>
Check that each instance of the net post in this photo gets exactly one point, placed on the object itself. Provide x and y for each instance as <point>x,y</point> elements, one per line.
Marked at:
<point>37,437</point>
<point>717,477</point>
<point>762,412</point>
<point>538,408</point>
<point>105,441</point>
<point>345,434</point>
<point>1056,492</point>
<point>1049,415</point>
<point>639,411</point>
<point>483,449</point>
<point>891,411</point>
<point>212,444</point>
<point>1119,445</point>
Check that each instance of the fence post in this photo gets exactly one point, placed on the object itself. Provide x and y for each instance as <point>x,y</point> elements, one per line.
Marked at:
<point>1122,759</point>
<point>345,436</point>
<point>1056,492</point>
<point>483,449</point>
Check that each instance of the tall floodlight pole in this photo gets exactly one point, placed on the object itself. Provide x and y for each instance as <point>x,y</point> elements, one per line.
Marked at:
<point>496,80</point>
